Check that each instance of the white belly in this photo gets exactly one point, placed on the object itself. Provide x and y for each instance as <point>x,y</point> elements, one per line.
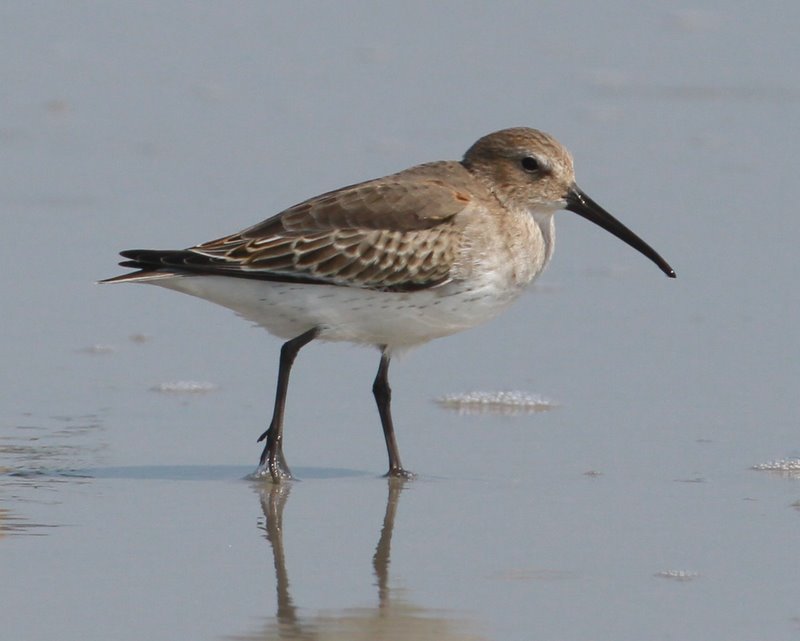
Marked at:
<point>397,320</point>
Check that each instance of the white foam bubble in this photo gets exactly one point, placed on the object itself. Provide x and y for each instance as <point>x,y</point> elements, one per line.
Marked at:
<point>184,387</point>
<point>507,403</point>
<point>677,575</point>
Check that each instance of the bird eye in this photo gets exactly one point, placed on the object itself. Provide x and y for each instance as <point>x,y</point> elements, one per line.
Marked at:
<point>530,164</point>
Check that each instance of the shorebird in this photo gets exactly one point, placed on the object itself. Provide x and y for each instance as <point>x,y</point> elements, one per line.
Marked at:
<point>392,262</point>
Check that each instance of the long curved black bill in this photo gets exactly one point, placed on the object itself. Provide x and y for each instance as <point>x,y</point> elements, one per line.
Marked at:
<point>582,205</point>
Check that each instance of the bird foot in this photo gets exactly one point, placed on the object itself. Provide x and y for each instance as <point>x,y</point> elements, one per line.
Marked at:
<point>399,473</point>
<point>273,472</point>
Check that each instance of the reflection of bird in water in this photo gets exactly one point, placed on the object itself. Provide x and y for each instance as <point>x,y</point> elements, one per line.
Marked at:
<point>393,619</point>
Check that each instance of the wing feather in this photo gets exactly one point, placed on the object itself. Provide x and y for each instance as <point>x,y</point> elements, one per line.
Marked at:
<point>392,233</point>
<point>400,232</point>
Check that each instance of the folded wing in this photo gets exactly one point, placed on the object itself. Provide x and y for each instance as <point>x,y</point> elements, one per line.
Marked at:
<point>396,233</point>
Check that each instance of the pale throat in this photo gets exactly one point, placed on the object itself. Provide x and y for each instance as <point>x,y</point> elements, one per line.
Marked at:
<point>544,220</point>
<point>528,247</point>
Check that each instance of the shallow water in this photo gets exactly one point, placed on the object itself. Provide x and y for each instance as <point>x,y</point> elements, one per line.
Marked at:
<point>629,510</point>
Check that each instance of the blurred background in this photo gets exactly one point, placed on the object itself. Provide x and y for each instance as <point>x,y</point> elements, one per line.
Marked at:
<point>628,511</point>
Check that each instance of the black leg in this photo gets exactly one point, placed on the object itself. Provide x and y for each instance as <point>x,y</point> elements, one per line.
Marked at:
<point>273,449</point>
<point>383,397</point>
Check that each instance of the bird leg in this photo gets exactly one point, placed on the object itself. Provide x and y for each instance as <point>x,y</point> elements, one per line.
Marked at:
<point>272,455</point>
<point>383,397</point>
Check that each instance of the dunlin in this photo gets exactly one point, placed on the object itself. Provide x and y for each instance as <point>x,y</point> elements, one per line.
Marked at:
<point>392,262</point>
